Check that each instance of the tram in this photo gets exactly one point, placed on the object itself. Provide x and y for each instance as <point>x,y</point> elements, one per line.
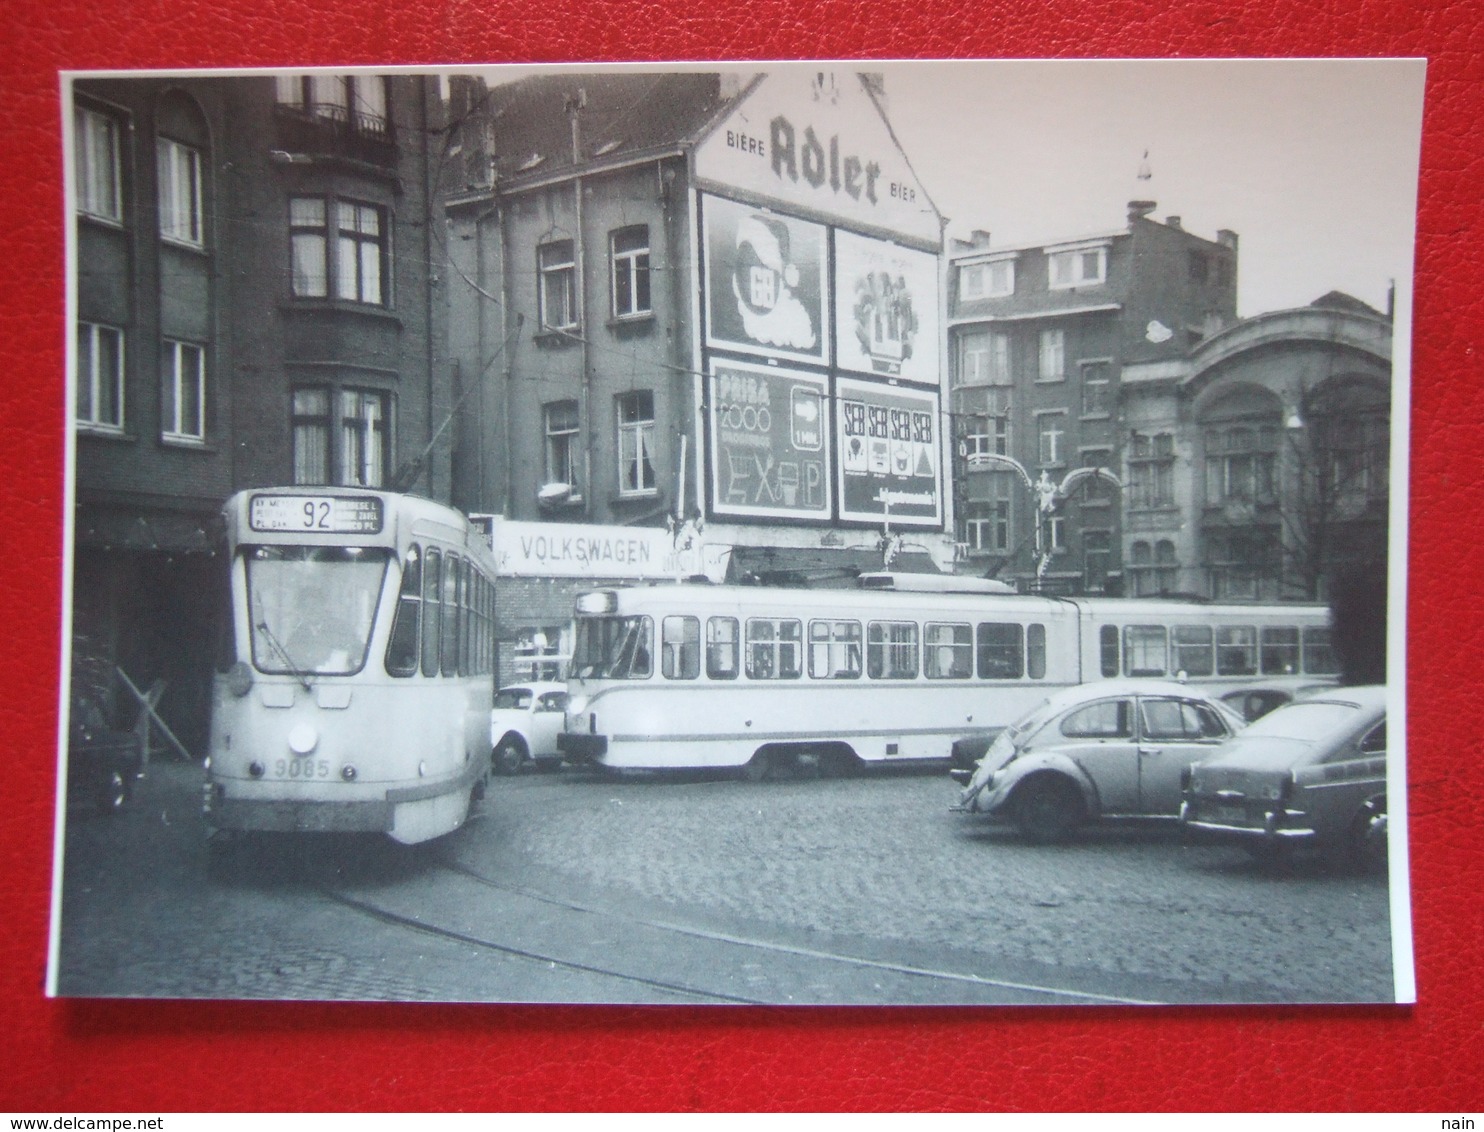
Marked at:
<point>687,676</point>
<point>355,670</point>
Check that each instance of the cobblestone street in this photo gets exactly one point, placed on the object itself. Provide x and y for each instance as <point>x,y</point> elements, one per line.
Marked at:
<point>873,868</point>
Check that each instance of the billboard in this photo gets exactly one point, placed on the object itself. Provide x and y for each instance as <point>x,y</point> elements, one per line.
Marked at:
<point>886,309</point>
<point>765,282</point>
<point>888,454</point>
<point>769,443</point>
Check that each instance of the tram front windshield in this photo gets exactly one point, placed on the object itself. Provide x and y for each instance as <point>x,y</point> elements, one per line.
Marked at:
<point>312,608</point>
<point>613,648</point>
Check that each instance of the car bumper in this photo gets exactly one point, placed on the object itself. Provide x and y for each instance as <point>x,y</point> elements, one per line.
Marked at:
<point>582,748</point>
<point>1276,825</point>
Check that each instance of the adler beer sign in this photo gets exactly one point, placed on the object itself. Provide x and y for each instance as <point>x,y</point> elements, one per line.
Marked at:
<point>818,140</point>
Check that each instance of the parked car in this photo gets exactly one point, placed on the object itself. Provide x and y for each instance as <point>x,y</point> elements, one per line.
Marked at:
<point>1115,748</point>
<point>103,762</point>
<point>1311,772</point>
<point>524,725</point>
<point>1255,701</point>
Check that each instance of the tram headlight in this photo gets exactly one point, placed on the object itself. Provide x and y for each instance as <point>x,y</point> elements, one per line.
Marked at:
<point>348,773</point>
<point>303,739</point>
<point>240,679</point>
<point>256,769</point>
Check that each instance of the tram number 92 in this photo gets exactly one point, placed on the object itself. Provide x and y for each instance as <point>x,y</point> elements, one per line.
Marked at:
<point>301,768</point>
<point>317,515</point>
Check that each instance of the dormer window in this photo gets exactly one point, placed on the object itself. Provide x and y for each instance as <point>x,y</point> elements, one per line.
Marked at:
<point>991,279</point>
<point>1079,266</point>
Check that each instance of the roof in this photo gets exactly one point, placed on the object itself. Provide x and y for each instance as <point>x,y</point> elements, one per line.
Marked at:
<point>621,114</point>
<point>811,567</point>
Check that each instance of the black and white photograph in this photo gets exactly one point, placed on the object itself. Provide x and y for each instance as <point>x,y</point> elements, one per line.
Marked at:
<point>806,533</point>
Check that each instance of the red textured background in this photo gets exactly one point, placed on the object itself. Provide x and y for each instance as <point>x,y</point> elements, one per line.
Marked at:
<point>60,1056</point>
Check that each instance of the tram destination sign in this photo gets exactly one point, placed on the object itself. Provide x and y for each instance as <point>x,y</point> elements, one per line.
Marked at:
<point>315,514</point>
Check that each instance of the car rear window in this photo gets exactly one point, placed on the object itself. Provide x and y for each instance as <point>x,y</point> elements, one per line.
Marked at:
<point>1309,722</point>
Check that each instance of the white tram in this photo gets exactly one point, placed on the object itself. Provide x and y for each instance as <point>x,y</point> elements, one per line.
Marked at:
<point>355,677</point>
<point>679,676</point>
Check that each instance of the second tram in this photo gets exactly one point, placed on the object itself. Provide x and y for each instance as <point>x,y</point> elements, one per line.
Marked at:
<point>684,676</point>
<point>355,676</point>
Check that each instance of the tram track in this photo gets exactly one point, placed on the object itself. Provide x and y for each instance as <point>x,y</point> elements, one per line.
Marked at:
<point>666,936</point>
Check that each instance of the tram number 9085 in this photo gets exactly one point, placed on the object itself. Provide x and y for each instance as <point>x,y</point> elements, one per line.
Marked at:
<point>301,768</point>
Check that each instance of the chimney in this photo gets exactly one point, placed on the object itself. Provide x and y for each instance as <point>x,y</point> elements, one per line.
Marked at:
<point>1173,222</point>
<point>1226,238</point>
<point>978,238</point>
<point>1138,209</point>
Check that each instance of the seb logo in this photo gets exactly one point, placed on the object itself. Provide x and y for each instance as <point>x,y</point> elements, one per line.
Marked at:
<point>804,156</point>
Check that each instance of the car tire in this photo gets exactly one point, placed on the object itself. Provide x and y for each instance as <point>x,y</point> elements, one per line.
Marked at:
<point>508,756</point>
<point>1047,810</point>
<point>113,792</point>
<point>1365,848</point>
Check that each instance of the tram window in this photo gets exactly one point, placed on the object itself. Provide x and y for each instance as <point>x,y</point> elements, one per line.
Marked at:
<point>721,648</point>
<point>1144,650</point>
<point>1191,650</point>
<point>1108,648</point>
<point>466,618</point>
<point>891,650</point>
<point>1236,650</point>
<point>773,648</point>
<point>1107,719</point>
<point>1001,651</point>
<point>1035,651</point>
<point>1280,650</point>
<point>432,610</point>
<point>450,615</point>
<point>834,650</point>
<point>949,652</point>
<point>680,648</point>
<point>401,649</point>
<point>1319,652</point>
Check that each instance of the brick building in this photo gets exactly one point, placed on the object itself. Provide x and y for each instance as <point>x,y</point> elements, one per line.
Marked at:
<point>699,303</point>
<point>1039,339</point>
<point>253,305</point>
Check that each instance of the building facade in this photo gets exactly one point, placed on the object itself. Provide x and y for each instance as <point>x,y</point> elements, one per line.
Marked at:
<point>696,303</point>
<point>1039,339</point>
<point>253,305</point>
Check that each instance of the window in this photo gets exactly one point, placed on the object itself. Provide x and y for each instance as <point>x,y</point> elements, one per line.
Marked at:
<point>992,280</point>
<point>1108,650</point>
<point>1240,464</point>
<point>630,257</point>
<point>1108,719</point>
<point>557,270</point>
<point>834,650</point>
<point>1001,655</point>
<point>721,648</point>
<point>1053,432</point>
<point>891,650</point>
<point>95,140</point>
<point>357,102</point>
<point>432,610</point>
<point>560,419</point>
<point>182,391</point>
<point>1191,650</point>
<point>353,442</point>
<point>1280,650</point>
<point>1151,471</point>
<point>1077,267</point>
<point>1240,560</point>
<point>1053,356</point>
<point>1319,653</point>
<point>1097,385</point>
<point>1096,490</point>
<point>1144,650</point>
<point>1056,533</point>
<point>1180,720</point>
<point>357,270</point>
<point>680,648</point>
<point>948,652</point>
<point>100,376</point>
<point>774,648</point>
<point>635,443</point>
<point>1096,556</point>
<point>1155,570</point>
<point>1236,650</point>
<point>179,169</point>
<point>402,645</point>
<point>987,511</point>
<point>984,359</point>
<point>1035,651</point>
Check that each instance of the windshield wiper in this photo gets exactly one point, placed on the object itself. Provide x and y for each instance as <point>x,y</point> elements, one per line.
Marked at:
<point>283,655</point>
